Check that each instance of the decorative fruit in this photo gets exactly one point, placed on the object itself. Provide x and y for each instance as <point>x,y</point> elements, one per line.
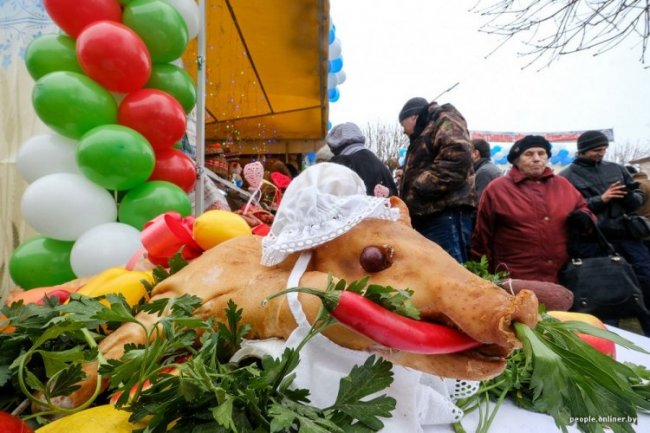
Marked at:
<point>12,424</point>
<point>99,419</point>
<point>602,345</point>
<point>215,226</point>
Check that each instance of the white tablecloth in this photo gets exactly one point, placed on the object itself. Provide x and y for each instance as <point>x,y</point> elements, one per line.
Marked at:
<point>513,419</point>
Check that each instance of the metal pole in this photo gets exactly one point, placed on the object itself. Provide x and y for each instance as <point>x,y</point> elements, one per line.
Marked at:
<point>200,113</point>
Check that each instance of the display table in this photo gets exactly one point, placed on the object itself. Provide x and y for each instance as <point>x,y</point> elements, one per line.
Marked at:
<point>513,419</point>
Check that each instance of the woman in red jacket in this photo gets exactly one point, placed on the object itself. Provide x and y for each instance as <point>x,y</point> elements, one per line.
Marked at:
<point>521,224</point>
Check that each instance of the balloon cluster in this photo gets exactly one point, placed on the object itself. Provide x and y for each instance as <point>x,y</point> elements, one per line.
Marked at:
<point>560,155</point>
<point>335,75</point>
<point>116,104</point>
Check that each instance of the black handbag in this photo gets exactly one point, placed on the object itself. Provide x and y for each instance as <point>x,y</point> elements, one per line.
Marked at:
<point>637,226</point>
<point>606,287</point>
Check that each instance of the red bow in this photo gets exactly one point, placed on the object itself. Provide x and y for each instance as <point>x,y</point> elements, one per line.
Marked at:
<point>163,236</point>
<point>280,180</point>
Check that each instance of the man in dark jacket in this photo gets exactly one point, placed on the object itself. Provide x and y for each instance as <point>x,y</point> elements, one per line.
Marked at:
<point>611,194</point>
<point>438,179</point>
<point>484,168</point>
<point>347,143</point>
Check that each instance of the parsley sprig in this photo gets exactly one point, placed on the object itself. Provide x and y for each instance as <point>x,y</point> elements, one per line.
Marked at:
<point>395,300</point>
<point>180,379</point>
<point>208,393</point>
<point>558,374</point>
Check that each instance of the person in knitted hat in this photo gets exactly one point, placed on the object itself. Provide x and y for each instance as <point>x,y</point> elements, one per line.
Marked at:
<point>347,143</point>
<point>522,219</point>
<point>437,182</point>
<point>613,196</point>
<point>526,143</point>
<point>592,140</point>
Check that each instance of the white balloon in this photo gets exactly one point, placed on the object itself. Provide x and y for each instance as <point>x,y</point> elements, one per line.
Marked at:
<point>340,76</point>
<point>47,154</point>
<point>104,246</point>
<point>335,49</point>
<point>189,10</point>
<point>331,80</point>
<point>63,206</point>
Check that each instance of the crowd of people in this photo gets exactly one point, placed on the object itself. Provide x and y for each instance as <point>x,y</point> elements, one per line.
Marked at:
<point>528,222</point>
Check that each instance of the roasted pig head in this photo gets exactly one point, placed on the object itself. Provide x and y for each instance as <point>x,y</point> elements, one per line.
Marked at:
<point>392,253</point>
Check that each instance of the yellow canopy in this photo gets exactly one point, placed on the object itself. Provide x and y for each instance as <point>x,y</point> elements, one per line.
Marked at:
<point>266,73</point>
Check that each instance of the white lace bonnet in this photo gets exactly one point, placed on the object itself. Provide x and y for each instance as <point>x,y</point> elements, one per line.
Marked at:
<point>323,202</point>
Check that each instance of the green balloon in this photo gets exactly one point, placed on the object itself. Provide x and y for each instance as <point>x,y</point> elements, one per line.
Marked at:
<point>72,104</point>
<point>175,81</point>
<point>41,262</point>
<point>51,53</point>
<point>115,157</point>
<point>145,202</point>
<point>160,26</point>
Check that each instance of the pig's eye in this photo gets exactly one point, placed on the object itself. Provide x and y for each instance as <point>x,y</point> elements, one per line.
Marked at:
<point>376,258</point>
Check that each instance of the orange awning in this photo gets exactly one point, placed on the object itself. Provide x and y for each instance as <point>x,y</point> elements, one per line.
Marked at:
<point>266,71</point>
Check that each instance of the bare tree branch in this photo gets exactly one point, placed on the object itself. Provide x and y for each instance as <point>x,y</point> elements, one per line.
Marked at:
<point>553,28</point>
<point>624,153</point>
<point>385,139</point>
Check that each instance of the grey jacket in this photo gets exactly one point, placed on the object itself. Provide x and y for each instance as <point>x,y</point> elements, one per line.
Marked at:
<point>486,172</point>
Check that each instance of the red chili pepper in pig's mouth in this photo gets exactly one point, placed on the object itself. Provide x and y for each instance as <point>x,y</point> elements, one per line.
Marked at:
<point>390,329</point>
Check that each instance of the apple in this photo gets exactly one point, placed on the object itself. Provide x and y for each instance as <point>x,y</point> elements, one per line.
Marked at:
<point>12,424</point>
<point>602,345</point>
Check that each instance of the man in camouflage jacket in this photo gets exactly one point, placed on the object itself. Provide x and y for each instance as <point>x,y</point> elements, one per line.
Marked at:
<point>438,178</point>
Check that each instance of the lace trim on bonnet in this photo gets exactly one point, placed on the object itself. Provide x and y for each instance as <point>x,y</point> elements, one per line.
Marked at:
<point>322,203</point>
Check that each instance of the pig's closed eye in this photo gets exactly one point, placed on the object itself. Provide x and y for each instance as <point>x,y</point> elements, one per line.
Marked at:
<point>376,258</point>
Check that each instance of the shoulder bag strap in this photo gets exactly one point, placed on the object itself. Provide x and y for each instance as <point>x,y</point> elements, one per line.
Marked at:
<point>602,240</point>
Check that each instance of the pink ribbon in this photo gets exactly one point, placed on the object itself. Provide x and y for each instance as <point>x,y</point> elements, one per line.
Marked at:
<point>163,236</point>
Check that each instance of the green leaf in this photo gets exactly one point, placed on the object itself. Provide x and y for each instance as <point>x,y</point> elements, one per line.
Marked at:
<point>223,413</point>
<point>282,418</point>
<point>367,412</point>
<point>176,263</point>
<point>56,361</point>
<point>5,375</point>
<point>359,285</point>
<point>66,381</point>
<point>118,312</point>
<point>482,269</point>
<point>586,328</point>
<point>57,331</point>
<point>398,301</point>
<point>373,376</point>
<point>34,382</point>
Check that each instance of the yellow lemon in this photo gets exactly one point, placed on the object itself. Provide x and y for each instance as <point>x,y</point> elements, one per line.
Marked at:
<point>215,226</point>
<point>99,419</point>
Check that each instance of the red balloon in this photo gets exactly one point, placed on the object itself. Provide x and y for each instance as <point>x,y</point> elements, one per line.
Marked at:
<point>176,167</point>
<point>114,55</point>
<point>154,114</point>
<point>73,15</point>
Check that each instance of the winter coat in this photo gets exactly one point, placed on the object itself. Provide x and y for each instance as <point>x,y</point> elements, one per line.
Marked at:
<point>438,170</point>
<point>592,179</point>
<point>644,185</point>
<point>369,168</point>
<point>485,172</point>
<point>521,224</point>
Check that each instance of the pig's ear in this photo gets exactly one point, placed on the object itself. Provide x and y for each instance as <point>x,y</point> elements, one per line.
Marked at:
<point>404,217</point>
